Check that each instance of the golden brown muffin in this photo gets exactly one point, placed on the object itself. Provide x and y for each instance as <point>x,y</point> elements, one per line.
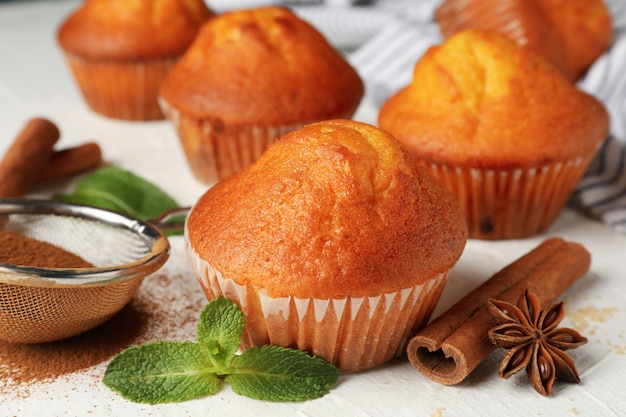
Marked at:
<point>334,242</point>
<point>251,76</point>
<point>571,34</point>
<point>507,133</point>
<point>120,50</point>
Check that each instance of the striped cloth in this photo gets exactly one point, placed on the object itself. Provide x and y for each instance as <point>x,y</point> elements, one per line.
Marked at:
<point>602,192</point>
<point>383,39</point>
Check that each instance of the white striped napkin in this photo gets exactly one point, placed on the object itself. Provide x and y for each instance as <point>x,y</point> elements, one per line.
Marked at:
<point>602,192</point>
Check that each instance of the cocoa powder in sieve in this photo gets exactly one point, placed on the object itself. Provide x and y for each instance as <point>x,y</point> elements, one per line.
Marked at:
<point>20,363</point>
<point>165,307</point>
<point>17,249</point>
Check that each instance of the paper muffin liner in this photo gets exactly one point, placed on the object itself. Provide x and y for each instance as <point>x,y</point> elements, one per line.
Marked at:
<point>453,16</point>
<point>125,90</point>
<point>515,203</point>
<point>214,151</point>
<point>353,333</point>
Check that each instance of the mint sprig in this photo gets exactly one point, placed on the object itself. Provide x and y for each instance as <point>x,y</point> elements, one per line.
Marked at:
<point>167,371</point>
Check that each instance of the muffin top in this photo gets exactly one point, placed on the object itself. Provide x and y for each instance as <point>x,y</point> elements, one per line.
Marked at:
<point>481,100</point>
<point>262,66</point>
<point>132,29</point>
<point>571,34</point>
<point>335,209</point>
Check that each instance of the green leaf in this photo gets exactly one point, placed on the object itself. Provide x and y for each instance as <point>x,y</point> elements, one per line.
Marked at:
<point>275,373</point>
<point>115,189</point>
<point>162,372</point>
<point>220,329</point>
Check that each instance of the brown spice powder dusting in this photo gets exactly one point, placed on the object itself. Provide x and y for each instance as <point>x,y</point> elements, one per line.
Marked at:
<point>17,249</point>
<point>26,363</point>
<point>164,308</point>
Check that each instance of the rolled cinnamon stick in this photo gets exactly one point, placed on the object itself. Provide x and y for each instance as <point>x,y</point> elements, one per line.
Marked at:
<point>27,157</point>
<point>71,161</point>
<point>454,344</point>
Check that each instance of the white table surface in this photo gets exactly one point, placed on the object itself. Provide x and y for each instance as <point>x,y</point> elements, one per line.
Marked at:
<point>34,81</point>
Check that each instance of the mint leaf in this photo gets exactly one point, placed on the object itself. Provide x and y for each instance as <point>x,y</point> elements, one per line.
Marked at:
<point>162,372</point>
<point>220,329</point>
<point>275,373</point>
<point>113,188</point>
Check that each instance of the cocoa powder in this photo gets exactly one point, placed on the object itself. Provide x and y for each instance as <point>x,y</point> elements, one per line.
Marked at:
<point>23,364</point>
<point>17,249</point>
<point>166,307</point>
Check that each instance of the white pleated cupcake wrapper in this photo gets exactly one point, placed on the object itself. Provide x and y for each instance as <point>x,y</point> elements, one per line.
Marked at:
<point>512,203</point>
<point>123,90</point>
<point>354,333</point>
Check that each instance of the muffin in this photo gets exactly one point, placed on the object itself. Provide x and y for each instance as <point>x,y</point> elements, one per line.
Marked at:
<point>334,242</point>
<point>571,34</point>
<point>120,50</point>
<point>251,76</point>
<point>501,127</point>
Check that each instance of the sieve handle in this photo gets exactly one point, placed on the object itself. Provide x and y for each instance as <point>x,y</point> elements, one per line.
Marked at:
<point>164,221</point>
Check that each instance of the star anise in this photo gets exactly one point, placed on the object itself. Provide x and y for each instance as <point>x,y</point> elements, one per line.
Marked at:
<point>534,341</point>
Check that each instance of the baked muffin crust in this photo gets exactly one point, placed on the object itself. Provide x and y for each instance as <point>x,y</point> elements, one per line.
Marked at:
<point>335,209</point>
<point>132,29</point>
<point>262,66</point>
<point>571,34</point>
<point>480,100</point>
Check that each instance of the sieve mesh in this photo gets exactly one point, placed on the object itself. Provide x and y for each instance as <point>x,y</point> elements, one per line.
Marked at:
<point>38,314</point>
<point>98,243</point>
<point>46,304</point>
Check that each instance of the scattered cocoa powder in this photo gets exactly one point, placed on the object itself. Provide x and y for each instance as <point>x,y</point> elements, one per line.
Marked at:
<point>17,249</point>
<point>166,307</point>
<point>26,363</point>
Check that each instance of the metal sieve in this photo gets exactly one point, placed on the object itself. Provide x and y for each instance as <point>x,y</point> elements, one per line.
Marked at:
<point>47,304</point>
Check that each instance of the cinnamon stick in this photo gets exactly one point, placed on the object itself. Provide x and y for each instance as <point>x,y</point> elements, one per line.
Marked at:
<point>27,156</point>
<point>71,161</point>
<point>455,343</point>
